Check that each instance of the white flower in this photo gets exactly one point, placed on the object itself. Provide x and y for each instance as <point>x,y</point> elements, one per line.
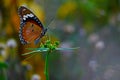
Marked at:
<point>99,45</point>
<point>69,28</point>
<point>93,38</point>
<point>11,43</point>
<point>35,77</point>
<point>66,44</point>
<point>93,65</point>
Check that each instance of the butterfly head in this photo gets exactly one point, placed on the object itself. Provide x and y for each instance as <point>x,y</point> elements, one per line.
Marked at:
<point>44,32</point>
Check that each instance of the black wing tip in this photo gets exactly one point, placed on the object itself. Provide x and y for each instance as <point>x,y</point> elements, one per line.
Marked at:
<point>22,6</point>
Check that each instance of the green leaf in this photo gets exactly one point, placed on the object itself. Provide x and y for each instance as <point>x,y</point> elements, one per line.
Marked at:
<point>3,65</point>
<point>41,49</point>
<point>36,50</point>
<point>45,50</point>
<point>67,48</point>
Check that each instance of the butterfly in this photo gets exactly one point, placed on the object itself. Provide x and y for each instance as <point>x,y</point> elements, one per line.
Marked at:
<point>31,28</point>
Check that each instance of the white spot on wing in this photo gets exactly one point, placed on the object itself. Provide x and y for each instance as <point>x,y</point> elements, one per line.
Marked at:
<point>24,18</point>
<point>27,15</point>
<point>31,15</point>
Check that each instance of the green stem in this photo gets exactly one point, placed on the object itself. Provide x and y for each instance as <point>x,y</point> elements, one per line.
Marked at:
<point>46,67</point>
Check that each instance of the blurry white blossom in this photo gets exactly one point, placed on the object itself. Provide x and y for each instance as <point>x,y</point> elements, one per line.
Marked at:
<point>11,43</point>
<point>93,64</point>
<point>66,53</point>
<point>93,38</point>
<point>69,28</point>
<point>65,45</point>
<point>99,45</point>
<point>35,77</point>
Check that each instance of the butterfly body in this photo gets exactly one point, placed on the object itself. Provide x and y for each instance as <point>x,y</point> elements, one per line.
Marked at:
<point>31,29</point>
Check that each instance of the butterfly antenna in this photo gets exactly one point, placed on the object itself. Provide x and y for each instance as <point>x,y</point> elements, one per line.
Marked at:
<point>50,22</point>
<point>49,26</point>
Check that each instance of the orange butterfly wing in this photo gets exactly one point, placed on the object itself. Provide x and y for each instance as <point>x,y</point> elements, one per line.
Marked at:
<point>31,29</point>
<point>31,32</point>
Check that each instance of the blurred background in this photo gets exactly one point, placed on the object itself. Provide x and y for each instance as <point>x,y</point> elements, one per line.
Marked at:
<point>92,25</point>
